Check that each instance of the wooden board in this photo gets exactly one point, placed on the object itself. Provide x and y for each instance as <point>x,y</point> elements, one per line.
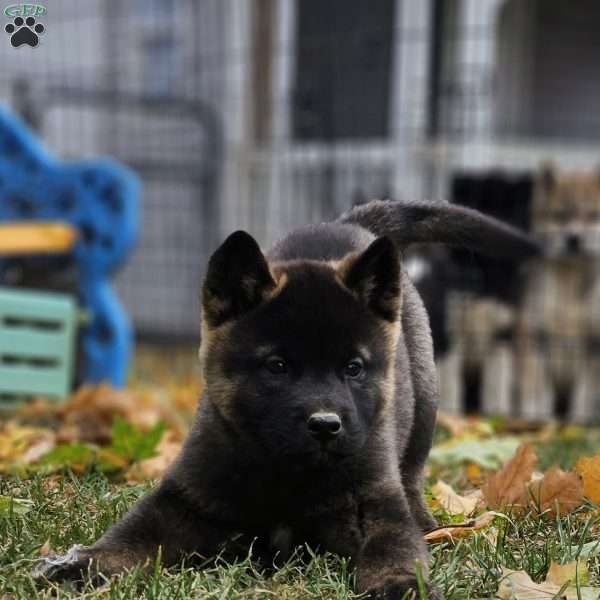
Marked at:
<point>36,238</point>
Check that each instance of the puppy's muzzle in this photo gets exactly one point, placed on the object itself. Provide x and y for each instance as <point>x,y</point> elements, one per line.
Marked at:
<point>324,426</point>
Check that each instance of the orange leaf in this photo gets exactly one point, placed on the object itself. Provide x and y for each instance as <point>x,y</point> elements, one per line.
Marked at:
<point>558,492</point>
<point>474,473</point>
<point>507,486</point>
<point>589,469</point>
<point>89,413</point>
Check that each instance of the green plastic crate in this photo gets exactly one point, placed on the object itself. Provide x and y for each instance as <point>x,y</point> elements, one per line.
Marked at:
<point>37,337</point>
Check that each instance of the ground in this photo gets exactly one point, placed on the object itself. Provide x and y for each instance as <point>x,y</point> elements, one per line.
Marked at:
<point>49,509</point>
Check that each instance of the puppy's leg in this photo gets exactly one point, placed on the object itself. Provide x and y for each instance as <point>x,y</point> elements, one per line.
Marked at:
<point>497,380</point>
<point>536,398</point>
<point>386,567</point>
<point>415,326</point>
<point>412,467</point>
<point>164,522</point>
<point>586,396</point>
<point>449,369</point>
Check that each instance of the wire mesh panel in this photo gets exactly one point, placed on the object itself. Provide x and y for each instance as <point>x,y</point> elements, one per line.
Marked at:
<point>111,88</point>
<point>173,146</point>
<point>269,114</point>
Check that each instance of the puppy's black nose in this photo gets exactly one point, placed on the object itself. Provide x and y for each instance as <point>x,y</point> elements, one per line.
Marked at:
<point>324,426</point>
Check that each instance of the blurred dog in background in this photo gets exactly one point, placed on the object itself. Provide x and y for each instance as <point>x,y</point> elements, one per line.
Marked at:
<point>476,373</point>
<point>558,331</point>
<point>475,361</point>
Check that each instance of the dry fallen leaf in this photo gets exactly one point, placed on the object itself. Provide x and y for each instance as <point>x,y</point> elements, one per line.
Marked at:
<point>23,444</point>
<point>558,492</point>
<point>153,468</point>
<point>38,411</point>
<point>517,486</point>
<point>45,548</point>
<point>454,503</point>
<point>572,572</point>
<point>507,486</point>
<point>460,530</point>
<point>39,449</point>
<point>475,474</point>
<point>589,469</point>
<point>89,414</point>
<point>517,585</point>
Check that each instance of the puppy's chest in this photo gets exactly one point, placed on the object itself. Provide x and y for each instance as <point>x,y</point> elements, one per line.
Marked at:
<point>332,524</point>
<point>281,541</point>
<point>329,534</point>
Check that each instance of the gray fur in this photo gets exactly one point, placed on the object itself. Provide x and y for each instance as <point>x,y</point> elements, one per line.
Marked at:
<point>229,485</point>
<point>439,222</point>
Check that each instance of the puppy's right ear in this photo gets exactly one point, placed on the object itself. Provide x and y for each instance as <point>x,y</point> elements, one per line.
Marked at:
<point>374,278</point>
<point>238,279</point>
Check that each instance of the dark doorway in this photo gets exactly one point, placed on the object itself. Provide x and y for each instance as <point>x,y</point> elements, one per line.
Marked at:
<point>344,58</point>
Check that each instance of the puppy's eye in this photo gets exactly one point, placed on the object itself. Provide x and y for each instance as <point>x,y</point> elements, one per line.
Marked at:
<point>276,365</point>
<point>354,368</point>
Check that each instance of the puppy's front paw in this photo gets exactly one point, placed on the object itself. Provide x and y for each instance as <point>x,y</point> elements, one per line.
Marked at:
<point>403,589</point>
<point>426,521</point>
<point>72,566</point>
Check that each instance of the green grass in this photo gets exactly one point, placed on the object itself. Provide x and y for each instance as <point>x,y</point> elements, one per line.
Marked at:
<point>69,510</point>
<point>63,510</point>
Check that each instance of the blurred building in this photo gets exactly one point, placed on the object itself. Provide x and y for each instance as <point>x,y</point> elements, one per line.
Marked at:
<point>348,100</point>
<point>267,114</point>
<point>124,79</point>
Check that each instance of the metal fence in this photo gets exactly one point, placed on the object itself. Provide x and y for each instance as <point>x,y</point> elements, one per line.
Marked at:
<point>269,114</point>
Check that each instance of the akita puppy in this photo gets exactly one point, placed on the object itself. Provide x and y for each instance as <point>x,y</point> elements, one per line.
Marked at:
<point>319,408</point>
<point>558,334</point>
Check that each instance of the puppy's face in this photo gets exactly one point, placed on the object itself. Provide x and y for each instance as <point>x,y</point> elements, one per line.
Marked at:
<point>304,365</point>
<point>567,212</point>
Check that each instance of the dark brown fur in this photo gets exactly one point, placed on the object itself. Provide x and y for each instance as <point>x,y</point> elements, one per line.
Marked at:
<point>250,470</point>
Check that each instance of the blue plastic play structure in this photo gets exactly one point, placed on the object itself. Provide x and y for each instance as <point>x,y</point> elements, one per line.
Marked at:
<point>100,199</point>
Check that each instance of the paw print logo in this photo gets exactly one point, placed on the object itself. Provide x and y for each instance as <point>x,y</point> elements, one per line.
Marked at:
<point>24,31</point>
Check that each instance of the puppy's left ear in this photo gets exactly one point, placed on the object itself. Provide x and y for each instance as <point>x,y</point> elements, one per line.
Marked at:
<point>238,279</point>
<point>374,278</point>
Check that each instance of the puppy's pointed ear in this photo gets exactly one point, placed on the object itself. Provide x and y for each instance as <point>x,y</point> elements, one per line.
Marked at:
<point>374,278</point>
<point>238,279</point>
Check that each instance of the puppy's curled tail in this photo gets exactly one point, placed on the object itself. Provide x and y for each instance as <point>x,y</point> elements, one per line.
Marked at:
<point>440,222</point>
